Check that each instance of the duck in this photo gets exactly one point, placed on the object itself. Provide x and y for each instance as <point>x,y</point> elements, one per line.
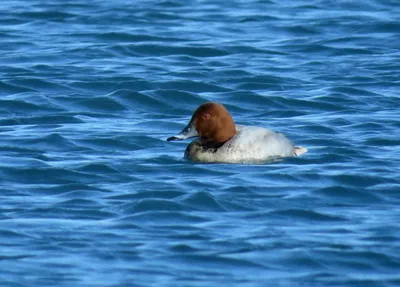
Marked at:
<point>220,140</point>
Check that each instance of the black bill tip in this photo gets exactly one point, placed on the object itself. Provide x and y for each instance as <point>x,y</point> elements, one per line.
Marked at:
<point>172,139</point>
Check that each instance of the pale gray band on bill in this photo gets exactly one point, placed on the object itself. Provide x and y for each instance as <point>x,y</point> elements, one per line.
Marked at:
<point>188,132</point>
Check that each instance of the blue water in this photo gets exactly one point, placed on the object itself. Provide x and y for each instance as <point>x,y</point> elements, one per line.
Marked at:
<point>92,194</point>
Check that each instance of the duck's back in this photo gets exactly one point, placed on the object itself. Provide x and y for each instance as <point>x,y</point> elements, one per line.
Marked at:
<point>258,143</point>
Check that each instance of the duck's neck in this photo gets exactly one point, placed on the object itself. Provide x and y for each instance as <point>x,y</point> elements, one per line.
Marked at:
<point>211,145</point>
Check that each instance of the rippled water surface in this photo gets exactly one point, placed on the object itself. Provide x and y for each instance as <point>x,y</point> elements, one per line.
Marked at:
<point>92,194</point>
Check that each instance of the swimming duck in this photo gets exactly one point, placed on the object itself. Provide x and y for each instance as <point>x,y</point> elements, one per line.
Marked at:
<point>223,141</point>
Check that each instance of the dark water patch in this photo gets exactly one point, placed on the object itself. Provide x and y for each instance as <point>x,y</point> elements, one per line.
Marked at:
<point>104,169</point>
<point>14,258</point>
<point>270,79</point>
<point>317,49</point>
<point>138,85</point>
<point>342,100</point>
<point>215,260</point>
<point>148,141</point>
<point>38,84</point>
<point>12,150</point>
<point>81,193</point>
<point>171,4</point>
<point>50,142</point>
<point>193,75</point>
<point>163,218</point>
<point>191,86</point>
<point>109,144</point>
<point>177,98</point>
<point>9,161</point>
<point>387,191</point>
<point>379,162</point>
<point>253,86</point>
<point>234,73</point>
<point>8,88</point>
<point>342,150</point>
<point>164,194</point>
<point>65,213</point>
<point>48,176</point>
<point>139,101</point>
<point>14,46</point>
<point>43,68</point>
<point>22,107</point>
<point>161,16</point>
<point>304,215</point>
<point>92,87</point>
<point>243,189</point>
<point>360,261</point>
<point>67,190</point>
<point>241,49</point>
<point>203,201</point>
<point>13,71</point>
<point>11,21</point>
<point>7,234</point>
<point>303,30</point>
<point>49,15</point>
<point>340,118</point>
<point>385,27</point>
<point>360,180</point>
<point>134,38</point>
<point>198,183</point>
<point>166,50</point>
<point>322,129</point>
<point>346,40</point>
<point>102,104</point>
<point>190,234</point>
<point>79,203</point>
<point>148,205</point>
<point>162,125</point>
<point>279,114</point>
<point>259,18</point>
<point>306,104</point>
<point>12,193</point>
<point>301,259</point>
<point>184,61</point>
<point>354,91</point>
<point>389,239</point>
<point>93,52</point>
<point>347,195</point>
<point>98,168</point>
<point>41,120</point>
<point>390,142</point>
<point>330,156</point>
<point>352,51</point>
<point>367,126</point>
<point>183,248</point>
<point>253,98</point>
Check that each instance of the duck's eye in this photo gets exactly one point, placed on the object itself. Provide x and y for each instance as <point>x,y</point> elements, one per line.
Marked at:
<point>206,116</point>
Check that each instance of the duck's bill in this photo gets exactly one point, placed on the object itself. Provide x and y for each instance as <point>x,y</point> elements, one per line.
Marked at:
<point>188,132</point>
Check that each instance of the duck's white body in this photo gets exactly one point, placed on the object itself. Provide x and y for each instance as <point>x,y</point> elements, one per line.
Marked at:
<point>250,144</point>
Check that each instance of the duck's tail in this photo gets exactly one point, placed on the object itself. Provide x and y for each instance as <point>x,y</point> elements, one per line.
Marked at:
<point>299,150</point>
